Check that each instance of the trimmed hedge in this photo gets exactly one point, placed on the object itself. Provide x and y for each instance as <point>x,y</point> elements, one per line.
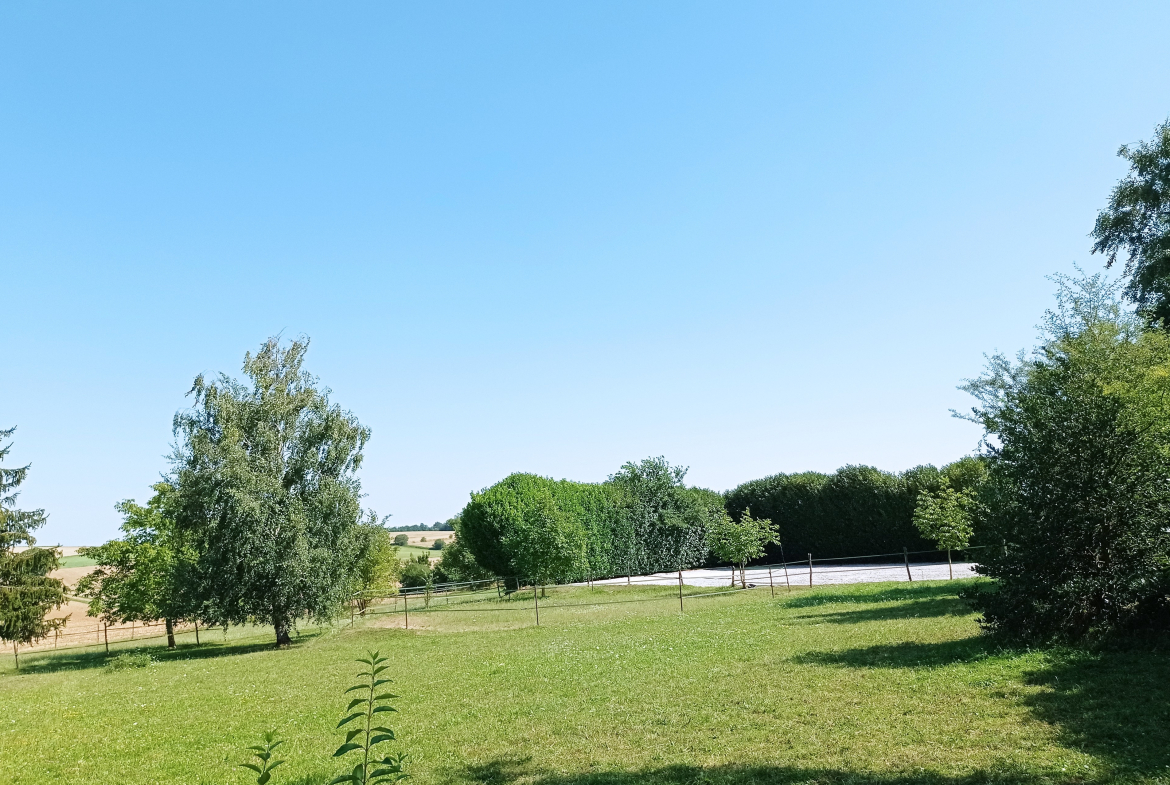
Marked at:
<point>856,511</point>
<point>557,531</point>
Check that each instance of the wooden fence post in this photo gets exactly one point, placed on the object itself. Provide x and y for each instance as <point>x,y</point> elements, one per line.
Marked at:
<point>906,558</point>
<point>784,561</point>
<point>106,630</point>
<point>536,599</point>
<point>680,604</point>
<point>406,609</point>
<point>810,569</point>
<point>196,632</point>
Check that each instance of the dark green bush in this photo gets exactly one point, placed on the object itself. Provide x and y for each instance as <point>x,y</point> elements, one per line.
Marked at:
<point>1077,499</point>
<point>416,572</point>
<point>401,539</point>
<point>856,511</point>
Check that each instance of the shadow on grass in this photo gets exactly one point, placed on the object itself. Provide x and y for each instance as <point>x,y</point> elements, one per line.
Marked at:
<point>51,662</point>
<point>1113,705</point>
<point>864,594</point>
<point>905,601</point>
<point>505,771</point>
<point>904,655</point>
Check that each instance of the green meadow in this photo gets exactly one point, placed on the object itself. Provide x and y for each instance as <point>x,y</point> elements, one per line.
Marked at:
<point>887,684</point>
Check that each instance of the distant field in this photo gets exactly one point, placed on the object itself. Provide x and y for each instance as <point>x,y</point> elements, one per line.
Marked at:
<point>877,684</point>
<point>406,552</point>
<point>70,562</point>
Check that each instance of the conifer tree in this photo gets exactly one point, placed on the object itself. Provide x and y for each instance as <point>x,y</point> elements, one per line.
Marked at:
<point>27,593</point>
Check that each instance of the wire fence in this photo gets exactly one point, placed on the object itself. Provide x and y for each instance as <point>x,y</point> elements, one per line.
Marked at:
<point>519,595</point>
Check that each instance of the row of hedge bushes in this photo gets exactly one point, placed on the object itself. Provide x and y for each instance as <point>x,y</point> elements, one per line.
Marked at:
<point>644,519</point>
<point>856,511</point>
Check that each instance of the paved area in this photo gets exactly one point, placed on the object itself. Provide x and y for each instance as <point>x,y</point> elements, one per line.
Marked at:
<point>822,575</point>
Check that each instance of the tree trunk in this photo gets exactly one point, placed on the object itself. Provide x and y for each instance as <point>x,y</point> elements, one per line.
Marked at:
<point>283,638</point>
<point>16,654</point>
<point>170,634</point>
<point>743,575</point>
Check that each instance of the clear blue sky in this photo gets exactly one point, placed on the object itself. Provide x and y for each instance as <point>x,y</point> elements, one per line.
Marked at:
<point>548,237</point>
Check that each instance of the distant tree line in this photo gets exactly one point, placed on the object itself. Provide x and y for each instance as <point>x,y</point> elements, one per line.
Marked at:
<point>437,526</point>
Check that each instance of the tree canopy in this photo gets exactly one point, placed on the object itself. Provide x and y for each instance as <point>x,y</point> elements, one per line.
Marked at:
<point>141,576</point>
<point>27,593</point>
<point>1137,222</point>
<point>268,491</point>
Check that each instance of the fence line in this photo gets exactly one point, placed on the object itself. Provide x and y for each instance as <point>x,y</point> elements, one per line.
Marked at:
<point>467,594</point>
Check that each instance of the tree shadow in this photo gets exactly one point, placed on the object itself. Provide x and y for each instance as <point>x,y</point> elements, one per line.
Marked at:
<point>865,594</point>
<point>52,662</point>
<point>917,609</point>
<point>1111,704</point>
<point>1114,705</point>
<point>504,771</point>
<point>905,655</point>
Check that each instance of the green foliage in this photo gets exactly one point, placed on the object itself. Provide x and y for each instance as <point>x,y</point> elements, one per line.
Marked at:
<point>264,761</point>
<point>401,539</point>
<point>27,593</point>
<point>740,541</point>
<point>1077,496</point>
<point>856,511</point>
<point>370,702</point>
<point>664,523</point>
<point>642,520</point>
<point>128,661</point>
<point>944,517</point>
<point>437,545</point>
<point>458,564</point>
<point>376,565</point>
<point>1137,221</point>
<point>141,577</point>
<point>268,492</point>
<point>416,573</point>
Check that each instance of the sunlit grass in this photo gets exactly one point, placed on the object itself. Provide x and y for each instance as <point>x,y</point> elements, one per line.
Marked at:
<point>883,683</point>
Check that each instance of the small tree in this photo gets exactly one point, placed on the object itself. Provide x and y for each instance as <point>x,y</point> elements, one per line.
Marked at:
<point>139,577</point>
<point>741,541</point>
<point>27,593</point>
<point>401,539</point>
<point>944,517</point>
<point>377,566</point>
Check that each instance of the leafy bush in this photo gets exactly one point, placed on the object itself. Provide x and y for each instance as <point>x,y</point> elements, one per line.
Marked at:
<point>457,564</point>
<point>642,520</point>
<point>1077,499</point>
<point>437,545</point>
<point>401,539</point>
<point>416,572</point>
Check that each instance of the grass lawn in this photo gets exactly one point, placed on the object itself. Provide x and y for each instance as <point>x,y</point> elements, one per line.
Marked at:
<point>406,552</point>
<point>880,684</point>
<point>77,561</point>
